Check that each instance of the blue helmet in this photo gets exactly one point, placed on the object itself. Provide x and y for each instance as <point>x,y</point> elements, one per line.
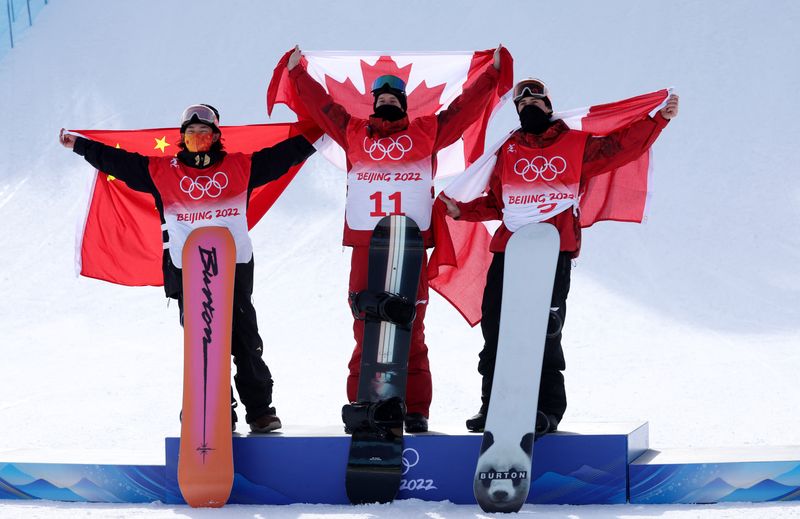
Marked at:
<point>389,84</point>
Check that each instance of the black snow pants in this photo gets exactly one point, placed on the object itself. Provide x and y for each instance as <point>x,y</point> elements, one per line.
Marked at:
<point>253,379</point>
<point>552,393</point>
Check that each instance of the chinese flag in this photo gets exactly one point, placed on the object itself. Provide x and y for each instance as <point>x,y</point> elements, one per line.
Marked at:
<point>121,239</point>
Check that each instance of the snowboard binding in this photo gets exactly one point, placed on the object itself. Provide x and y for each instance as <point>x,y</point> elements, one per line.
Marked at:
<point>383,306</point>
<point>383,416</point>
<point>554,324</point>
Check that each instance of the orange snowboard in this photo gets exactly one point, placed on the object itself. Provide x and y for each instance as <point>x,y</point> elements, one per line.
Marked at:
<point>205,460</point>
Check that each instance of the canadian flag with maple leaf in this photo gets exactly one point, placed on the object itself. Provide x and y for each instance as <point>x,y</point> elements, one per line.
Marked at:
<point>619,195</point>
<point>433,81</point>
<point>120,239</point>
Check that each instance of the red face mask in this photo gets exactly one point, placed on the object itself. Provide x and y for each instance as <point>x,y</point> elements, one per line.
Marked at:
<point>198,142</point>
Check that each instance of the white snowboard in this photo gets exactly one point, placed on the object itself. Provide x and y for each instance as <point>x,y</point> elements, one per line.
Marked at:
<point>502,476</point>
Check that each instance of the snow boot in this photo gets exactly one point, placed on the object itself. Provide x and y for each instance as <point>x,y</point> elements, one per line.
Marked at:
<point>477,422</point>
<point>267,422</point>
<point>416,423</point>
<point>545,423</point>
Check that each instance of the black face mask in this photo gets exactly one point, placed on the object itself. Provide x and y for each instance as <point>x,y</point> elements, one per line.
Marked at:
<point>534,119</point>
<point>389,112</point>
<point>202,159</point>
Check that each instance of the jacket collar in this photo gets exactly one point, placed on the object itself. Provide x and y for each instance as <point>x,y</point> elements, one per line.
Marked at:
<point>379,128</point>
<point>546,138</point>
<point>200,160</point>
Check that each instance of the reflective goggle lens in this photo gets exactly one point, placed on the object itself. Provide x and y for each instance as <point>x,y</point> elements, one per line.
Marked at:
<point>528,93</point>
<point>530,89</point>
<point>203,114</point>
<point>393,82</point>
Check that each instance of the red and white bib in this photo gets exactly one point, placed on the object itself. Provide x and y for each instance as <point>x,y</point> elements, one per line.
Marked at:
<point>539,183</point>
<point>390,175</point>
<point>204,197</point>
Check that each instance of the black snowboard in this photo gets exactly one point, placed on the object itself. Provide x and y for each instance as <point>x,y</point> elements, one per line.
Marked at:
<point>375,421</point>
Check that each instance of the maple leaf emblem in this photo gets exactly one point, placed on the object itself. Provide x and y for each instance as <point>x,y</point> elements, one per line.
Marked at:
<point>423,100</point>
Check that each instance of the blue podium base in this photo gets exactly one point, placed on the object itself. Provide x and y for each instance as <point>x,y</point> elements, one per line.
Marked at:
<point>753,474</point>
<point>79,482</point>
<point>586,464</point>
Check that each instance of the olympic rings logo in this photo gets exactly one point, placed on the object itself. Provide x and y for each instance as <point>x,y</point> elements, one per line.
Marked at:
<point>204,185</point>
<point>411,460</point>
<point>390,147</point>
<point>547,169</point>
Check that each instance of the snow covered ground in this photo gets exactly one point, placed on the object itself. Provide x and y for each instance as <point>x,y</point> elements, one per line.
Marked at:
<point>691,322</point>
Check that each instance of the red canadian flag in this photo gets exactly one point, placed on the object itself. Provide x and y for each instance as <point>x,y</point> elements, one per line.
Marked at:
<point>433,80</point>
<point>620,195</point>
<point>120,240</point>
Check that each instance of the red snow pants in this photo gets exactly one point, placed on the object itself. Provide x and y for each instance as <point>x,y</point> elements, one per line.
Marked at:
<point>419,389</point>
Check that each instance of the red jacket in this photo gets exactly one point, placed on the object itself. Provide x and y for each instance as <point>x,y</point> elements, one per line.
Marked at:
<point>601,155</point>
<point>450,125</point>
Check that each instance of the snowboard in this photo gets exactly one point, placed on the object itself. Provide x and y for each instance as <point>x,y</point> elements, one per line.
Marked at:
<point>375,420</point>
<point>502,475</point>
<point>205,459</point>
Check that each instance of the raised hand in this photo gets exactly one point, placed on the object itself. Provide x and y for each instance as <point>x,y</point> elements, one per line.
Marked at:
<point>670,111</point>
<point>294,58</point>
<point>66,139</point>
<point>497,57</point>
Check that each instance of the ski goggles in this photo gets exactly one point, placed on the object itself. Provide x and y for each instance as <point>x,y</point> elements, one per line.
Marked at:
<point>533,88</point>
<point>389,82</point>
<point>201,113</point>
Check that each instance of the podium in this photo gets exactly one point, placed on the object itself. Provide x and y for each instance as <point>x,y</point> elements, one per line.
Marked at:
<point>584,463</point>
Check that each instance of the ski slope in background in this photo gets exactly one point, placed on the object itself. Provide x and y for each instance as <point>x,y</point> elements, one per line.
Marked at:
<point>691,322</point>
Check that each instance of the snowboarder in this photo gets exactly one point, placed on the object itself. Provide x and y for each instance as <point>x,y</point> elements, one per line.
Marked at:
<point>384,143</point>
<point>562,159</point>
<point>186,183</point>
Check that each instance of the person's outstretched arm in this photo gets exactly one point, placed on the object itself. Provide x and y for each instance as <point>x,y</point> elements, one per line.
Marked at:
<point>131,168</point>
<point>328,114</point>
<point>272,163</point>
<point>468,107</point>
<point>616,149</point>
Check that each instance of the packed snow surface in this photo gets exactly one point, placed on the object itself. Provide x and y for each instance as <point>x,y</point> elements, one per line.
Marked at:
<point>690,322</point>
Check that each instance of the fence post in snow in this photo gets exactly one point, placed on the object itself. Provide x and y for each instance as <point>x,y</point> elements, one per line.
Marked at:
<point>10,29</point>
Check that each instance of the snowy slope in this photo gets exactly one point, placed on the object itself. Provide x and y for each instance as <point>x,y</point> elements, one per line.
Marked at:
<point>691,321</point>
